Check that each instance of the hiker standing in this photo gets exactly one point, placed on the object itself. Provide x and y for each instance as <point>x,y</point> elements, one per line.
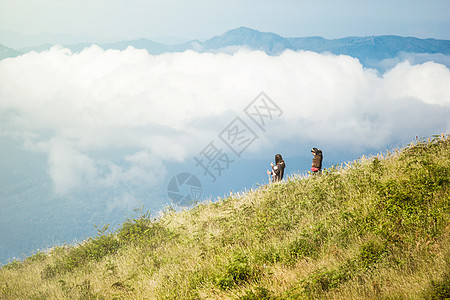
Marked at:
<point>317,160</point>
<point>277,169</point>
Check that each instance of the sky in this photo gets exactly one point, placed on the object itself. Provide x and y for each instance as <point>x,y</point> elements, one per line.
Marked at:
<point>203,19</point>
<point>118,125</point>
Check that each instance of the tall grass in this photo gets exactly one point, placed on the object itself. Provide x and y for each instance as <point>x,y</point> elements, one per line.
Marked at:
<point>377,227</point>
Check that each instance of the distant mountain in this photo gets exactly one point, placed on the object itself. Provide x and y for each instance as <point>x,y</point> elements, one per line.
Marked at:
<point>373,48</point>
<point>268,42</point>
<point>368,50</point>
<point>6,52</point>
<point>150,46</point>
<point>18,40</point>
<point>169,40</point>
<point>39,48</point>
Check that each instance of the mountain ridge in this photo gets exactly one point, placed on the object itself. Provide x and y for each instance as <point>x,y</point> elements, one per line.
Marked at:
<point>366,49</point>
<point>6,52</point>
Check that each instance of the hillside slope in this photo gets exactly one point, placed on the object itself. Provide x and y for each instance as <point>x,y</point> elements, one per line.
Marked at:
<point>377,228</point>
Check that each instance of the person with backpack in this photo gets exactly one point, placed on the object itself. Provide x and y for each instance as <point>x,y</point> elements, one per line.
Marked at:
<point>316,166</point>
<point>277,169</point>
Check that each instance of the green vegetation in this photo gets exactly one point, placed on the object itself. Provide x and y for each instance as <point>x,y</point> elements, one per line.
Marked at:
<point>376,228</point>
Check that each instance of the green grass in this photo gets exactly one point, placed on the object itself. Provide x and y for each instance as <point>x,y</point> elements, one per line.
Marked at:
<point>376,228</point>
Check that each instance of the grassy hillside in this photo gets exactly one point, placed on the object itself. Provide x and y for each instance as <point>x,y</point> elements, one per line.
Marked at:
<point>374,228</point>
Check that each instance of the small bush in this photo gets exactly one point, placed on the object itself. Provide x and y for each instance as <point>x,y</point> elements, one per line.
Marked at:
<point>270,256</point>
<point>83,290</point>
<point>50,271</point>
<point>323,280</point>
<point>238,270</point>
<point>439,289</point>
<point>93,250</point>
<point>39,256</point>
<point>299,248</point>
<point>371,253</point>
<point>259,294</point>
<point>14,265</point>
<point>143,231</point>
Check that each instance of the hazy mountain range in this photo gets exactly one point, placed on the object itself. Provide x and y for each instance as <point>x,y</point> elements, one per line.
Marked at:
<point>369,50</point>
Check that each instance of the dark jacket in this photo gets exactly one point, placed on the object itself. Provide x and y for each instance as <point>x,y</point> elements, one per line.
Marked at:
<point>317,160</point>
<point>278,171</point>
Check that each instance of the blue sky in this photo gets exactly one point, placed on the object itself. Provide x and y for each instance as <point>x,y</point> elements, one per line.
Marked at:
<point>202,19</point>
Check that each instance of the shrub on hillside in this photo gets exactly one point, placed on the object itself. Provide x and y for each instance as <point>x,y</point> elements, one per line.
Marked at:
<point>94,249</point>
<point>143,231</point>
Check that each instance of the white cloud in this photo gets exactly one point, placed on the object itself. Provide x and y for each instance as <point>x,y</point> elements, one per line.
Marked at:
<point>428,82</point>
<point>413,59</point>
<point>68,167</point>
<point>156,109</point>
